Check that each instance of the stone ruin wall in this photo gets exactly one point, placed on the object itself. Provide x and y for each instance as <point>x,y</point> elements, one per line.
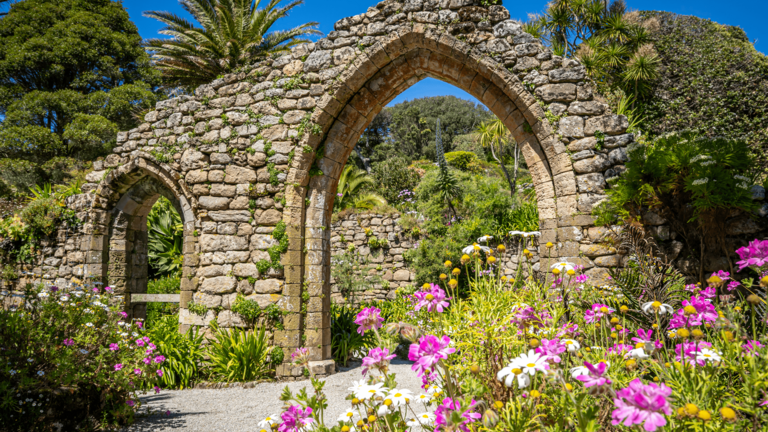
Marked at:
<point>267,145</point>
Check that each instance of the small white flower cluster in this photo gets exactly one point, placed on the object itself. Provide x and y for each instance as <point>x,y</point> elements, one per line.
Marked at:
<point>701,181</point>
<point>741,177</point>
<point>708,163</point>
<point>743,185</point>
<point>700,158</point>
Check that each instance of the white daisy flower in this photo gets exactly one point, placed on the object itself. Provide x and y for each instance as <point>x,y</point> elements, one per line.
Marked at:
<point>382,410</point>
<point>267,423</point>
<point>579,371</point>
<point>708,355</point>
<point>484,239</point>
<point>656,306</point>
<point>371,391</point>
<point>637,353</point>
<point>530,363</point>
<point>423,398</point>
<point>423,419</point>
<point>572,345</point>
<point>400,397</point>
<point>349,416</point>
<point>563,266</point>
<point>508,377</point>
<point>471,249</point>
<point>43,295</point>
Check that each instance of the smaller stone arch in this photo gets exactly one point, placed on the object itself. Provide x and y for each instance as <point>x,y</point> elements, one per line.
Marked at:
<point>118,244</point>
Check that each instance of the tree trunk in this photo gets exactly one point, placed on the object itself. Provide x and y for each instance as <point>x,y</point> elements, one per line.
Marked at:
<point>512,183</point>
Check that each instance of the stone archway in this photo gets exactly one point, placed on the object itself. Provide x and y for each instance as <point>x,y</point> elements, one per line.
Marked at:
<point>263,149</point>
<point>118,254</point>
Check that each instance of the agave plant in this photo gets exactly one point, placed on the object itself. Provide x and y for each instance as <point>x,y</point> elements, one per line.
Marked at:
<point>351,194</point>
<point>166,237</point>
<point>234,33</point>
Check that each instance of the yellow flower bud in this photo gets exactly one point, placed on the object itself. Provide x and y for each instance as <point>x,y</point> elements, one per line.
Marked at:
<point>456,272</point>
<point>764,282</point>
<point>498,405</point>
<point>555,271</point>
<point>534,343</point>
<point>728,335</point>
<point>448,264</point>
<point>753,299</point>
<point>728,414</point>
<point>697,334</point>
<point>443,277</point>
<point>691,409</point>
<point>623,309</point>
<point>501,248</point>
<point>571,272</point>
<point>683,333</point>
<point>689,310</point>
<point>614,320</point>
<point>371,419</point>
<point>491,260</point>
<point>535,394</point>
<point>453,283</point>
<point>705,415</point>
<point>549,245</point>
<point>426,286</point>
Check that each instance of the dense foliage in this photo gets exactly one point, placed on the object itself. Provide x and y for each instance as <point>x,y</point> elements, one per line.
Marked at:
<point>72,73</point>
<point>165,232</point>
<point>157,312</point>
<point>559,354</point>
<point>234,33</point>
<point>68,358</point>
<point>354,190</point>
<point>408,128</point>
<point>394,175</point>
<point>695,183</point>
<point>712,80</point>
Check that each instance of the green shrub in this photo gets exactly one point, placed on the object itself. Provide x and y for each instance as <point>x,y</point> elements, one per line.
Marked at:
<point>345,340</point>
<point>462,160</point>
<point>183,352</point>
<point>165,238</point>
<point>393,176</point>
<point>157,311</point>
<point>275,251</point>
<point>713,81</point>
<point>350,271</point>
<point>239,355</point>
<point>246,308</point>
<point>71,340</point>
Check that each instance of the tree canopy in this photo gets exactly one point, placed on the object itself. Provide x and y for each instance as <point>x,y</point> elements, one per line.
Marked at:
<point>72,72</point>
<point>234,33</point>
<point>408,128</point>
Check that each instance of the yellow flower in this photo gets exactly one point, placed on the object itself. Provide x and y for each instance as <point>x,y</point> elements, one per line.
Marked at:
<point>689,310</point>
<point>501,248</point>
<point>448,264</point>
<point>728,335</point>
<point>697,334</point>
<point>498,404</point>
<point>691,409</point>
<point>533,343</point>
<point>535,394</point>
<point>465,259</point>
<point>491,260</point>
<point>623,309</point>
<point>456,272</point>
<point>683,333</point>
<point>568,387</point>
<point>549,245</point>
<point>476,247</point>
<point>571,272</point>
<point>753,299</point>
<point>705,415</point>
<point>443,277</point>
<point>453,283</point>
<point>426,286</point>
<point>555,271</point>
<point>764,282</point>
<point>728,414</point>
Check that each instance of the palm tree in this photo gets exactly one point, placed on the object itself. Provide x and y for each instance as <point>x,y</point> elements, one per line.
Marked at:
<point>350,194</point>
<point>234,33</point>
<point>495,135</point>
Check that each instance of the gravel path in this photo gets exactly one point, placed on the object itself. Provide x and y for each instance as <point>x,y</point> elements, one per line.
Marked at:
<point>240,409</point>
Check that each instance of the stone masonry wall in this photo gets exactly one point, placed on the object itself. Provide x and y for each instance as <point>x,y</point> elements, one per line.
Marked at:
<point>386,262</point>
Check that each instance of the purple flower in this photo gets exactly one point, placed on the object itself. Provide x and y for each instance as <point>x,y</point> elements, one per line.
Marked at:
<point>295,418</point>
<point>753,255</point>
<point>642,404</point>
<point>300,356</point>
<point>147,360</point>
<point>369,318</point>
<point>157,389</point>
<point>704,312</point>
<point>123,314</point>
<point>645,337</point>
<point>752,346</point>
<point>54,288</point>
<point>139,324</point>
<point>377,358</point>
<point>107,289</point>
<point>443,413</point>
<point>160,373</point>
<point>137,371</point>
<point>114,347</point>
<point>428,352</point>
<point>595,378</point>
<point>689,350</point>
<point>118,367</point>
<point>130,403</point>
<point>140,342</point>
<point>69,342</point>
<point>434,299</point>
<point>597,312</point>
<point>159,359</point>
<point>732,285</point>
<point>551,349</point>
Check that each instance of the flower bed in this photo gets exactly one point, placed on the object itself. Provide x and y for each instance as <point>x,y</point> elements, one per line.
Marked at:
<point>69,361</point>
<point>647,353</point>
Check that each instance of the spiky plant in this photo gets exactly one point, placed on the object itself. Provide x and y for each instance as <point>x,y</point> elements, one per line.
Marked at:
<point>351,191</point>
<point>495,135</point>
<point>234,33</point>
<point>165,238</point>
<point>447,183</point>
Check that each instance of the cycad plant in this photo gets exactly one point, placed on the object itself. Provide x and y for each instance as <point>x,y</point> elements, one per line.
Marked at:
<point>494,135</point>
<point>614,46</point>
<point>351,191</point>
<point>166,237</point>
<point>234,33</point>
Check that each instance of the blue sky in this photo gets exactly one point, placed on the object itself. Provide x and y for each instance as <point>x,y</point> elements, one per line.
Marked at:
<point>747,14</point>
